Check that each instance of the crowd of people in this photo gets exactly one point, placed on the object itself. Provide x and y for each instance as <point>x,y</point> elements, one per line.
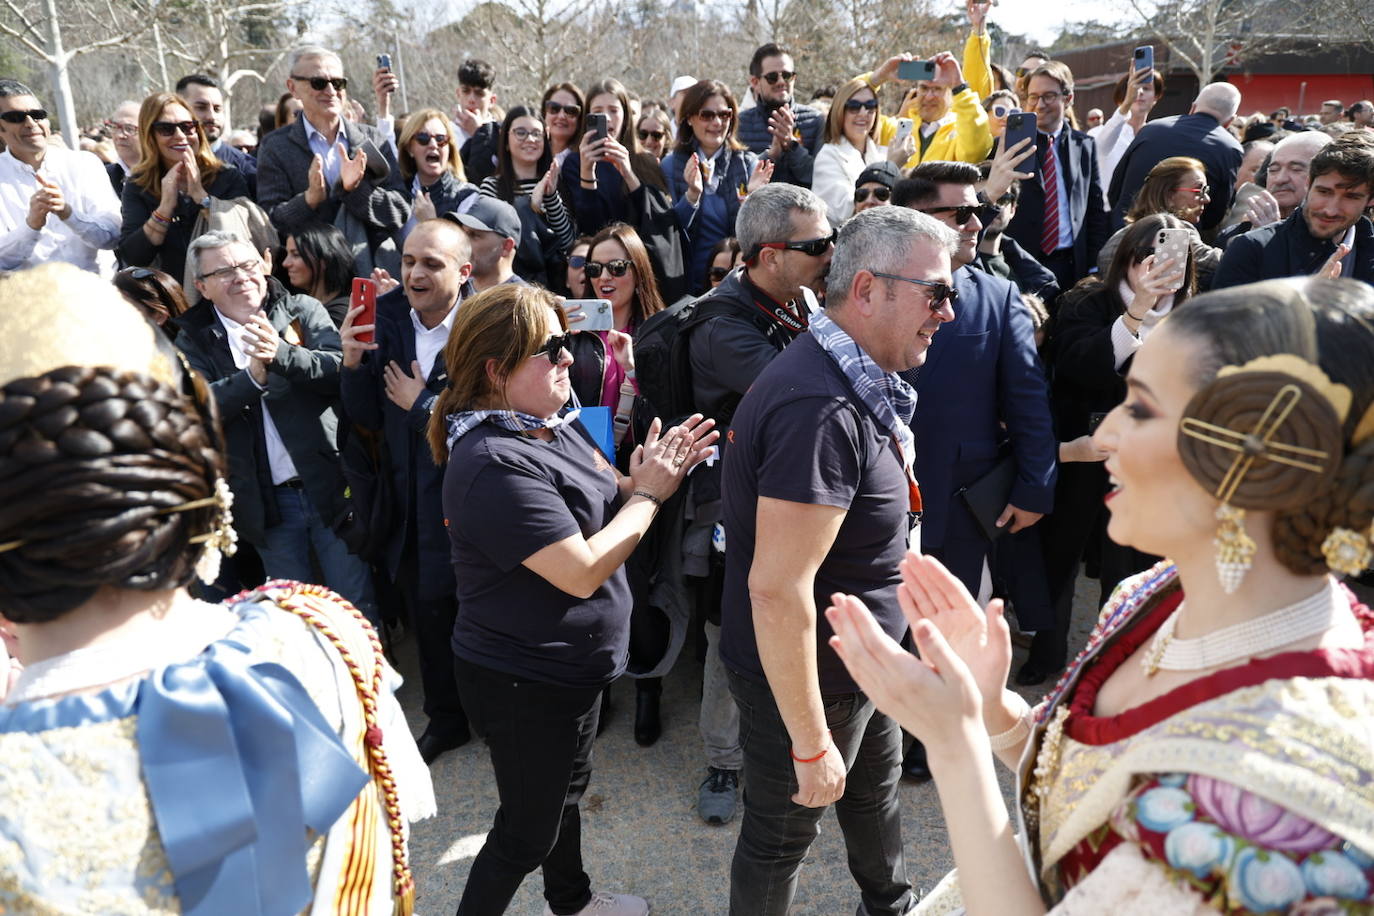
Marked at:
<point>823,389</point>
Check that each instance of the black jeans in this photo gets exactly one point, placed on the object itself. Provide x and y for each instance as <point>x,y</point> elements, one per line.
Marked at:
<point>540,739</point>
<point>776,832</point>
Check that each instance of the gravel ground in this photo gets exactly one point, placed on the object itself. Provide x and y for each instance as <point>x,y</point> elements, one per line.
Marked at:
<point>640,830</point>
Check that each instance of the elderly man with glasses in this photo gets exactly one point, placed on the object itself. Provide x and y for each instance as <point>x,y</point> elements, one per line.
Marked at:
<point>325,168</point>
<point>272,360</point>
<point>56,204</point>
<point>777,127</point>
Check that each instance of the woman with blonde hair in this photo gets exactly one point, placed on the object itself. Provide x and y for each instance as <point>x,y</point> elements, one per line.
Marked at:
<point>176,177</point>
<point>539,520</point>
<point>427,152</point>
<point>1176,187</point>
<point>851,131</point>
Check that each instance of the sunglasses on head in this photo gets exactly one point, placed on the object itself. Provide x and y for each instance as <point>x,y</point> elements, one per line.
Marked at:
<point>571,111</point>
<point>423,138</point>
<point>616,268</point>
<point>881,192</point>
<point>18,117</point>
<point>855,104</point>
<point>169,128</point>
<point>812,247</point>
<point>940,293</point>
<point>785,75</point>
<point>318,83</point>
<point>961,214</point>
<point>553,347</point>
<point>654,135</point>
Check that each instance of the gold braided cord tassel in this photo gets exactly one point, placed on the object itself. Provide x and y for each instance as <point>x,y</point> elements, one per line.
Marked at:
<point>1235,548</point>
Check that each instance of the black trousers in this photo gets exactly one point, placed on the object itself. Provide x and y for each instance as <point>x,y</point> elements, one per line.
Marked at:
<point>540,740</point>
<point>431,620</point>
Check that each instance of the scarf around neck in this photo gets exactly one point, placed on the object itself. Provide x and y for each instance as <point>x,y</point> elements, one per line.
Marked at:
<point>889,398</point>
<point>462,422</point>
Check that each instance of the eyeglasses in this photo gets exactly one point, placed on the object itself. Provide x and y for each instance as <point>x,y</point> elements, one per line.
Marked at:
<point>617,268</point>
<point>553,347</point>
<point>318,83</point>
<point>718,273</point>
<point>654,135</point>
<point>708,115</point>
<point>881,192</point>
<point>1203,191</point>
<point>961,214</point>
<point>855,104</point>
<point>122,130</point>
<point>169,128</point>
<point>528,133</point>
<point>785,75</point>
<point>1035,98</point>
<point>553,108</point>
<point>577,261</point>
<point>247,268</point>
<point>1001,111</point>
<point>18,117</point>
<point>423,138</point>
<point>940,293</point>
<point>811,247</point>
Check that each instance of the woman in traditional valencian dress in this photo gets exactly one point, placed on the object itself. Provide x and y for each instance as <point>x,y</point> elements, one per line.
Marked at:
<point>1211,748</point>
<point>162,754</point>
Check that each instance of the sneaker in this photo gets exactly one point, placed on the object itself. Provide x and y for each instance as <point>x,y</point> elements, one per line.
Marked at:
<point>716,798</point>
<point>611,905</point>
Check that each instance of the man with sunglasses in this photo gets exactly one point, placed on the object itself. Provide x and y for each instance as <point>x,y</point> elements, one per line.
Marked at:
<point>819,498</point>
<point>325,168</point>
<point>56,204</point>
<point>788,133</point>
<point>874,186</point>
<point>207,103</point>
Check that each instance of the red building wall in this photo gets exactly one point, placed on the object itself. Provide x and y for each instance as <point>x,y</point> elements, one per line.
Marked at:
<point>1267,91</point>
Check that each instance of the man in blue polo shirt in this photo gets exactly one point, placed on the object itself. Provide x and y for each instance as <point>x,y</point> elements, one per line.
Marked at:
<point>819,497</point>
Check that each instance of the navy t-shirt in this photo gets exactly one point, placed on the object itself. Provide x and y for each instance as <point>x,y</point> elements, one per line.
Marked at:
<point>801,435</point>
<point>506,497</point>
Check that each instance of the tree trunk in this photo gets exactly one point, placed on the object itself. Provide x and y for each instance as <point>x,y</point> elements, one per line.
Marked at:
<point>61,84</point>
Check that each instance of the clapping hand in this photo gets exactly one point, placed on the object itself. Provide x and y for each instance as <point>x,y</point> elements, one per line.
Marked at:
<point>384,280</point>
<point>547,186</point>
<point>660,464</point>
<point>781,123</point>
<point>1332,268</point>
<point>762,174</point>
<point>696,181</point>
<point>423,208</point>
<point>351,168</point>
<point>316,192</point>
<point>1262,209</point>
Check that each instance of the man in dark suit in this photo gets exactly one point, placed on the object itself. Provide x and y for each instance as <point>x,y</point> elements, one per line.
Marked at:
<point>389,387</point>
<point>323,168</point>
<point>1061,219</point>
<point>123,125</point>
<point>1331,219</point>
<point>203,94</point>
<point>272,360</point>
<point>982,383</point>
<point>1201,134</point>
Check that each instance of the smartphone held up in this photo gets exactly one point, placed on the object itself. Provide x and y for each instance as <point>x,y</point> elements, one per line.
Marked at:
<point>364,294</point>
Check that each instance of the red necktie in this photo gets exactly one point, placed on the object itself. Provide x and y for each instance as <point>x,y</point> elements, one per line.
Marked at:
<point>1049,231</point>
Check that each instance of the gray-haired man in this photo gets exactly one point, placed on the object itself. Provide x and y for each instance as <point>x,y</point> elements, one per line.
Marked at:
<point>272,360</point>
<point>819,497</point>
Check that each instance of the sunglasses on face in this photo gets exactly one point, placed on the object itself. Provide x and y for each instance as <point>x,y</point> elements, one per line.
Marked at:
<point>654,135</point>
<point>940,293</point>
<point>718,273</point>
<point>554,108</point>
<point>785,75</point>
<point>1001,111</point>
<point>553,347</point>
<point>423,138</point>
<point>880,193</point>
<point>617,268</point>
<point>708,115</point>
<point>1203,191</point>
<point>528,133</point>
<point>577,261</point>
<point>18,117</point>
<point>855,105</point>
<point>961,214</point>
<point>811,247</point>
<point>169,128</point>
<point>318,83</point>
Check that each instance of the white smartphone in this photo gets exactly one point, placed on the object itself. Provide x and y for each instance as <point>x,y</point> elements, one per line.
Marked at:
<point>1173,244</point>
<point>589,314</point>
<point>904,126</point>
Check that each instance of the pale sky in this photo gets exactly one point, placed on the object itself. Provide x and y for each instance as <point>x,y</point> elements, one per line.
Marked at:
<point>1042,19</point>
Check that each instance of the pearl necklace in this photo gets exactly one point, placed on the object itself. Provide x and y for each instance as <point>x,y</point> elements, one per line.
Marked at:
<point>1298,621</point>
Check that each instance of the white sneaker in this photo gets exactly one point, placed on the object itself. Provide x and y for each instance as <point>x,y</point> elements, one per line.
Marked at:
<point>611,905</point>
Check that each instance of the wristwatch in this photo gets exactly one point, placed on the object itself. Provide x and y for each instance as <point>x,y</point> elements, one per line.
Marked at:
<point>958,89</point>
<point>205,202</point>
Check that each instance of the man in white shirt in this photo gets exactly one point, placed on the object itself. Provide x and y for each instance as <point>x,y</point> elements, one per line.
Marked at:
<point>389,388</point>
<point>56,204</point>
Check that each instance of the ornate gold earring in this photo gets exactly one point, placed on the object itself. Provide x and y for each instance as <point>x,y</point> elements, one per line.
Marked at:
<point>1235,548</point>
<point>1347,552</point>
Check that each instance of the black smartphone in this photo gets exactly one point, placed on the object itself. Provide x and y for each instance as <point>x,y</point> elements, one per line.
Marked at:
<point>1144,58</point>
<point>597,123</point>
<point>1021,126</point>
<point>916,70</point>
<point>383,61</point>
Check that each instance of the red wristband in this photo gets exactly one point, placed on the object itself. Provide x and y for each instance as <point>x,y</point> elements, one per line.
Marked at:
<point>812,759</point>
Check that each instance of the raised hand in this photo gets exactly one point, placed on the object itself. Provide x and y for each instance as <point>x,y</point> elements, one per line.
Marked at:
<point>423,208</point>
<point>351,168</point>
<point>547,186</point>
<point>762,174</point>
<point>1003,171</point>
<point>696,182</point>
<point>353,348</point>
<point>316,192</point>
<point>660,464</point>
<point>385,281</point>
<point>1332,268</point>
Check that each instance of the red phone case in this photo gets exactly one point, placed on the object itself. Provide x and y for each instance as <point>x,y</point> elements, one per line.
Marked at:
<point>364,294</point>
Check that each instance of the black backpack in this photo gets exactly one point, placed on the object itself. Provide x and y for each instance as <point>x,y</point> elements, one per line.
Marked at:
<point>662,365</point>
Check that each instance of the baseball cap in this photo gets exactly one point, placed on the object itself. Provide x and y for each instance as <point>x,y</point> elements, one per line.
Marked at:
<point>488,214</point>
<point>885,173</point>
<point>681,83</point>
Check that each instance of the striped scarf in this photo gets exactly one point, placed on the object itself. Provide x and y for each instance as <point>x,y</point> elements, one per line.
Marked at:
<point>890,399</point>
<point>465,421</point>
